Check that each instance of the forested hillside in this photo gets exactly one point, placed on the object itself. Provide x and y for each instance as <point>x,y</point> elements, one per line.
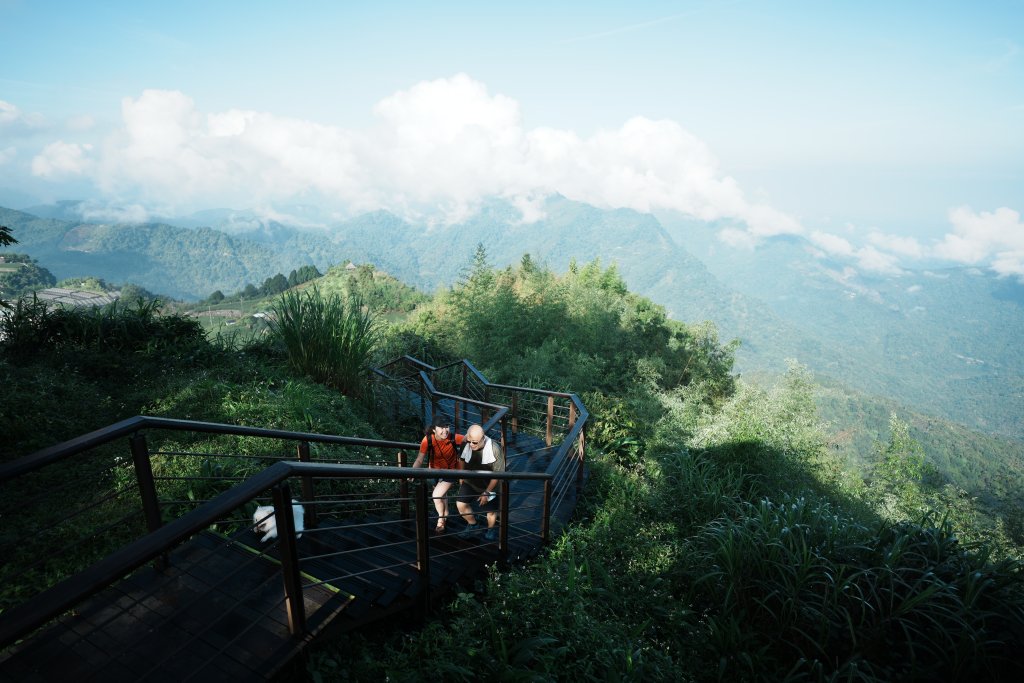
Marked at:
<point>939,345</point>
<point>720,535</point>
<point>175,261</point>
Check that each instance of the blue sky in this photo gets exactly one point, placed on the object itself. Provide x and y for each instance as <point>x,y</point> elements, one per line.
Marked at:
<point>859,125</point>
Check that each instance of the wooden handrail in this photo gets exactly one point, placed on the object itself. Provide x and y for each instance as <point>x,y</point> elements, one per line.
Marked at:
<point>66,449</point>
<point>20,620</point>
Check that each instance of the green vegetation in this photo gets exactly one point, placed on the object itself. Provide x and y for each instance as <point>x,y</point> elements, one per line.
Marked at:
<point>271,286</point>
<point>69,371</point>
<point>326,338</point>
<point>583,332</point>
<point>20,274</point>
<point>721,537</point>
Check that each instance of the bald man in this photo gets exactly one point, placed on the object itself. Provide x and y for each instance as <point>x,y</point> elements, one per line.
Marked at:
<point>480,454</point>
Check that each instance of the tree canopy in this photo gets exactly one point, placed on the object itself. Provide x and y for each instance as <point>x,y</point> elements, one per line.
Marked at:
<point>582,330</point>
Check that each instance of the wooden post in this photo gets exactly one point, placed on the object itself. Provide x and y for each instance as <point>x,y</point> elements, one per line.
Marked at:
<point>545,521</point>
<point>308,492</point>
<point>147,485</point>
<point>288,547</point>
<point>147,490</point>
<point>503,486</point>
<point>423,406</point>
<point>551,418</point>
<point>515,412</point>
<point>423,546</point>
<point>581,453</point>
<point>403,487</point>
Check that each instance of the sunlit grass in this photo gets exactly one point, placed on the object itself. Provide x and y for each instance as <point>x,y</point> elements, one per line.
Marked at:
<point>327,338</point>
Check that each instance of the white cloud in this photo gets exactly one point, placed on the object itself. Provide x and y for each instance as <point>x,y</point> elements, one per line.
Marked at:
<point>530,208</point>
<point>441,145</point>
<point>995,238</point>
<point>905,246</point>
<point>7,155</point>
<point>61,159</point>
<point>866,258</point>
<point>1009,263</point>
<point>869,258</point>
<point>739,239</point>
<point>96,212</point>
<point>8,113</point>
<point>81,123</point>
<point>914,289</point>
<point>832,244</point>
<point>15,122</point>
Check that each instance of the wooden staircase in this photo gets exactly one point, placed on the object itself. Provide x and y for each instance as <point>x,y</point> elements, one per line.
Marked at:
<point>213,607</point>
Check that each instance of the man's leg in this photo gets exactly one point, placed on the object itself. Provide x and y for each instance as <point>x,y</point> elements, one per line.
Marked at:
<point>466,510</point>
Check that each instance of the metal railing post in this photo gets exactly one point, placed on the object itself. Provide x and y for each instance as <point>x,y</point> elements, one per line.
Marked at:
<point>515,412</point>
<point>545,520</point>
<point>551,418</point>
<point>503,486</point>
<point>308,492</point>
<point>423,403</point>
<point>144,477</point>
<point>581,453</point>
<point>394,403</point>
<point>288,547</point>
<point>147,490</point>
<point>423,546</point>
<point>403,487</point>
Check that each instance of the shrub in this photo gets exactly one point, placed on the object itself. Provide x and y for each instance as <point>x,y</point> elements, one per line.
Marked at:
<point>326,338</point>
<point>32,326</point>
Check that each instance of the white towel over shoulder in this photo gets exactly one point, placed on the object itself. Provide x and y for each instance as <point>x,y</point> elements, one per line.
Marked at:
<point>488,454</point>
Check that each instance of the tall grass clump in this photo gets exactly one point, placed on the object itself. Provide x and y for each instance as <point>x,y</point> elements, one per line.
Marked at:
<point>328,339</point>
<point>33,326</point>
<point>799,589</point>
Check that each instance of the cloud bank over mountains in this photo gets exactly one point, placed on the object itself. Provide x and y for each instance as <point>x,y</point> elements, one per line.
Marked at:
<point>437,151</point>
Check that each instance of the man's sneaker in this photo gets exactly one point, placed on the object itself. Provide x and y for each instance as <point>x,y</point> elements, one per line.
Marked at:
<point>491,535</point>
<point>470,530</point>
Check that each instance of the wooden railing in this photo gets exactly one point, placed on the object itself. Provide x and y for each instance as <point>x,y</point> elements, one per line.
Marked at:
<point>503,409</point>
<point>128,507</point>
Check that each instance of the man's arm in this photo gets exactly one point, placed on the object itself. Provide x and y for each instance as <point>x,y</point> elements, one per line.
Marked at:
<point>499,466</point>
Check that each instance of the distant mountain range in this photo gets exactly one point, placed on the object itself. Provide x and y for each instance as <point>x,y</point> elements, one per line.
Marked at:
<point>944,342</point>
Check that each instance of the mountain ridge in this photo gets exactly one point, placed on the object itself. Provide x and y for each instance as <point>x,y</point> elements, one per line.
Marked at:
<point>781,302</point>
